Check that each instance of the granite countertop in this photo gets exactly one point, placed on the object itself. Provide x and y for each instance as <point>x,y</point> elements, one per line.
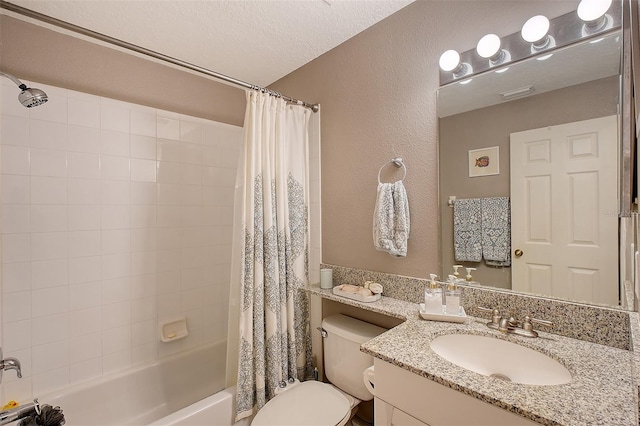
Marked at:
<point>603,390</point>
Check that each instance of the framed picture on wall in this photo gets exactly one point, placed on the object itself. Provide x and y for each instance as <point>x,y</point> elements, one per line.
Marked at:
<point>484,161</point>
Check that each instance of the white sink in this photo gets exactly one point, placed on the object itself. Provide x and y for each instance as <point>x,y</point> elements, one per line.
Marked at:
<point>500,359</point>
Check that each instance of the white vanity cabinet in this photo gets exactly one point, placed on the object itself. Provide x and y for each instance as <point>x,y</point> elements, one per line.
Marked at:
<point>406,399</point>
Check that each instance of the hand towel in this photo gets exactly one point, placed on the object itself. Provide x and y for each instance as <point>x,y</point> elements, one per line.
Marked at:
<point>467,237</point>
<point>391,221</point>
<point>496,231</point>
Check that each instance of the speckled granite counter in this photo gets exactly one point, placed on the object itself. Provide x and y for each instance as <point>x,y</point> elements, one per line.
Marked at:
<point>603,390</point>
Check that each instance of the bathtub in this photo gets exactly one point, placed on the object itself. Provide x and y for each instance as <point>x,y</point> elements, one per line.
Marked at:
<point>184,389</point>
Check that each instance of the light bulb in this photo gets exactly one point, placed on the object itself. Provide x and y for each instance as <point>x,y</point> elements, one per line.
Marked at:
<point>488,46</point>
<point>590,10</point>
<point>535,28</point>
<point>449,60</point>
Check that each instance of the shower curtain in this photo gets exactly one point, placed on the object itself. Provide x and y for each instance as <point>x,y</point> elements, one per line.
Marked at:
<point>272,250</point>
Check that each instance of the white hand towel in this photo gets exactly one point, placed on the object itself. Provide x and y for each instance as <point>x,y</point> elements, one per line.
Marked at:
<point>391,221</point>
<point>467,230</point>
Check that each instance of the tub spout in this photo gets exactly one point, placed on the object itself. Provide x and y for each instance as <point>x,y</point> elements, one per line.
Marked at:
<point>11,363</point>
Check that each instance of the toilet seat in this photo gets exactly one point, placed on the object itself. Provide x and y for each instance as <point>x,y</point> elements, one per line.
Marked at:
<point>310,403</point>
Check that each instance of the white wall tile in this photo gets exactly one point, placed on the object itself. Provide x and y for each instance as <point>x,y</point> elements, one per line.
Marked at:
<point>143,193</point>
<point>83,191</point>
<point>116,315</point>
<point>15,160</point>
<point>83,165</point>
<point>16,248</point>
<point>49,301</point>
<point>114,116</point>
<point>144,147</point>
<point>15,218</point>
<point>84,217</point>
<point>50,329</point>
<point>143,263</point>
<point>84,111</point>
<point>15,189</point>
<point>16,306</point>
<point>116,266</point>
<point>143,239</point>
<point>85,295</point>
<point>49,273</point>
<point>115,192</point>
<point>84,243</point>
<point>144,353</point>
<point>143,122</point>
<point>144,332</point>
<point>85,347</point>
<point>14,131</point>
<point>48,190</point>
<point>143,217</point>
<point>169,172</point>
<point>85,321</point>
<point>47,135</point>
<point>114,167</point>
<point>116,339</point>
<point>116,217</point>
<point>190,153</point>
<point>83,139</point>
<point>84,269</point>
<point>116,241</point>
<point>116,291</point>
<point>17,335</point>
<point>48,218</point>
<point>168,150</point>
<point>49,245</point>
<point>114,143</point>
<point>143,170</point>
<point>50,356</point>
<point>48,162</point>
<point>168,128</point>
<point>190,131</point>
<point>16,277</point>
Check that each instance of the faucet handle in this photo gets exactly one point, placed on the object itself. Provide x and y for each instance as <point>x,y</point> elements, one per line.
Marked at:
<point>528,326</point>
<point>495,318</point>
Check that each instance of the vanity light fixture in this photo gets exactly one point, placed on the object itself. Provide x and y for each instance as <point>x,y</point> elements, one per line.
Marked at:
<point>489,47</point>
<point>536,32</point>
<point>450,62</point>
<point>538,38</point>
<point>467,81</point>
<point>594,15</point>
<point>501,70</point>
<point>544,57</point>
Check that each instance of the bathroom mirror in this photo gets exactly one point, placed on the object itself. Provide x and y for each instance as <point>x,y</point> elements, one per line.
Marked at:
<point>577,84</point>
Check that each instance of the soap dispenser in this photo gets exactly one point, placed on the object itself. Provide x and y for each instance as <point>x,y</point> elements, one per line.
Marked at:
<point>433,296</point>
<point>455,271</point>
<point>452,297</point>
<point>469,278</point>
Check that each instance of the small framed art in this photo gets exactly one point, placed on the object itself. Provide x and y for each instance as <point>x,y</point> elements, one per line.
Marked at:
<point>484,161</point>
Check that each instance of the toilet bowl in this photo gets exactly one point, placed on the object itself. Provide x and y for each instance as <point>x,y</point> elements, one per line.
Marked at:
<point>313,403</point>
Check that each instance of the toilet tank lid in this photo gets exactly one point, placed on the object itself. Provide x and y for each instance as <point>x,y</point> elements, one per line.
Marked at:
<point>351,329</point>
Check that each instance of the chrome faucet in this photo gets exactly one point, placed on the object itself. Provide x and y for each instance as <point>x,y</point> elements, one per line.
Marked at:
<point>19,412</point>
<point>509,325</point>
<point>9,363</point>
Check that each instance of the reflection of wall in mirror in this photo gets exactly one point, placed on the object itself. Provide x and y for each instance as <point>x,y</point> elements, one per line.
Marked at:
<point>492,126</point>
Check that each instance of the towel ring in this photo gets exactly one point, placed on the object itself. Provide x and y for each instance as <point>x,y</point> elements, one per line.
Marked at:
<point>396,162</point>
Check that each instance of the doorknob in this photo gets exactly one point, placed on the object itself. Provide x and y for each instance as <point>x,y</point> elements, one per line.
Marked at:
<point>518,252</point>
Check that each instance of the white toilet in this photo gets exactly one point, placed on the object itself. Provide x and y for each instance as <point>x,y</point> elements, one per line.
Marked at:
<point>313,403</point>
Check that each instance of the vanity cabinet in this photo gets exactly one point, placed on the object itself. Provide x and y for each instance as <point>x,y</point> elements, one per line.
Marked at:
<point>407,399</point>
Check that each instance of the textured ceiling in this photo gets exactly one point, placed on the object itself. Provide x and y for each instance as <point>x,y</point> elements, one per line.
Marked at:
<point>257,41</point>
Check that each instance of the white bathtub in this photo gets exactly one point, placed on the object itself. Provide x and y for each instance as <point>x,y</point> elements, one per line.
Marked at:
<point>185,389</point>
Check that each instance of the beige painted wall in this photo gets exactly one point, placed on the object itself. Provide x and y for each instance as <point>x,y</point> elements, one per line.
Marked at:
<point>491,126</point>
<point>378,97</point>
<point>32,52</point>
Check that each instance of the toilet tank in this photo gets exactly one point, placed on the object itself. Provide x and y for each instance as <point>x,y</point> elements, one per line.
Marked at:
<point>343,361</point>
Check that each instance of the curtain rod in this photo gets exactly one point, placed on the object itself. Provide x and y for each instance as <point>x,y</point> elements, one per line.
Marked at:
<point>129,46</point>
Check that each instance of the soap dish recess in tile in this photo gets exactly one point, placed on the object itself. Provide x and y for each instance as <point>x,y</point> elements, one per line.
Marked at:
<point>173,329</point>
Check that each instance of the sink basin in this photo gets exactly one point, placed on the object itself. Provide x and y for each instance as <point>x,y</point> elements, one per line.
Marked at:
<point>500,359</point>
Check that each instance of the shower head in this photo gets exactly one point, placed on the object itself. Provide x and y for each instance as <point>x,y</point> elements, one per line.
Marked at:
<point>28,97</point>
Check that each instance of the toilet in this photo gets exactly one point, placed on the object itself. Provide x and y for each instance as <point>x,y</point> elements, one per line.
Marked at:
<point>314,403</point>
